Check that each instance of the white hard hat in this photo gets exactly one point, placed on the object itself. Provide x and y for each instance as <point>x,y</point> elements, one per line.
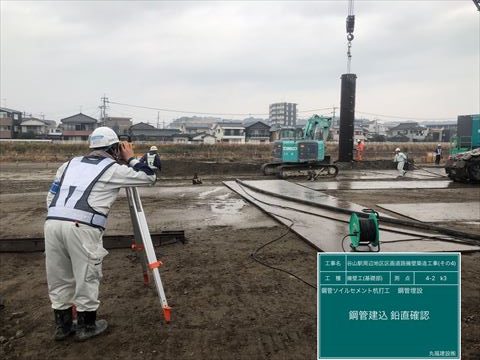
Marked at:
<point>102,137</point>
<point>397,149</point>
<point>439,145</point>
<point>153,148</point>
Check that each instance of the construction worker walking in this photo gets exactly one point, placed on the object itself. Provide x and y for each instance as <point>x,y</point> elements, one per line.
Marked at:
<point>360,149</point>
<point>438,154</point>
<point>78,203</point>
<point>152,159</point>
<point>400,158</point>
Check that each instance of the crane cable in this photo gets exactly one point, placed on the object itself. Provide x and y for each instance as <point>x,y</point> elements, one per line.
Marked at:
<point>350,27</point>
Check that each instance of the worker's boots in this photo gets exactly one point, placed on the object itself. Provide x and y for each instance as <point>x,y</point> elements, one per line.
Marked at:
<point>88,326</point>
<point>63,324</point>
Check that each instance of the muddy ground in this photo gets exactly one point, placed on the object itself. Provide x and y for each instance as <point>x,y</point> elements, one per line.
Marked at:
<point>225,305</point>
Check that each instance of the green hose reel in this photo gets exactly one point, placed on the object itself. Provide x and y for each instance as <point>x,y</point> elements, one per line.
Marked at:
<point>364,232</point>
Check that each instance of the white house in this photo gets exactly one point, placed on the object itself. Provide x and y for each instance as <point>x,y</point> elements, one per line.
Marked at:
<point>195,128</point>
<point>37,126</point>
<point>229,132</point>
<point>410,130</point>
<point>204,138</point>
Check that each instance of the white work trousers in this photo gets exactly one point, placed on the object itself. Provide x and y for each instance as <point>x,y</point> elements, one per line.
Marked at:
<point>74,255</point>
<point>400,168</point>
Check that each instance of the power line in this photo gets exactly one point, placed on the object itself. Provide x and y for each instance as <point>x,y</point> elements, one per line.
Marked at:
<point>266,114</point>
<point>402,117</point>
<point>181,111</point>
<point>203,113</point>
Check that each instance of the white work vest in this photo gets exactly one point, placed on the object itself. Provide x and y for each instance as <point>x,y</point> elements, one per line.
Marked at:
<point>71,201</point>
<point>151,160</point>
<point>400,157</point>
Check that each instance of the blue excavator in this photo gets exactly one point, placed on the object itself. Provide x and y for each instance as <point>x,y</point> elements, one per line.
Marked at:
<point>304,156</point>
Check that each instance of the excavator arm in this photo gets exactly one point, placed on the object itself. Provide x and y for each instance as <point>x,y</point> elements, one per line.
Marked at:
<point>316,123</point>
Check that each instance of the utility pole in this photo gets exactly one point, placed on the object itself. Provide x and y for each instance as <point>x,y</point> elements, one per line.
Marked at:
<point>103,109</point>
<point>158,119</point>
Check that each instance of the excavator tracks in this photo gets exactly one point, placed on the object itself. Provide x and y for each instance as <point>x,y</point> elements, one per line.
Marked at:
<point>309,171</point>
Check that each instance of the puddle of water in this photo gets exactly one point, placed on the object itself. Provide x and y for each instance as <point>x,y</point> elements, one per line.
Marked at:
<point>204,194</point>
<point>223,197</point>
<point>230,207</point>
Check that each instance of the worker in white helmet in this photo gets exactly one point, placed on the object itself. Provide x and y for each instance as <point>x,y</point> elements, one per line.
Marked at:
<point>360,150</point>
<point>400,158</point>
<point>78,203</point>
<point>438,154</point>
<point>152,159</point>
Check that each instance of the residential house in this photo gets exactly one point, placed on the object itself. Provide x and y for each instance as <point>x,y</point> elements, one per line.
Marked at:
<point>195,128</point>
<point>181,138</point>
<point>34,127</point>
<point>78,127</point>
<point>257,133</point>
<point>119,124</point>
<point>146,132</point>
<point>375,127</point>
<point>10,121</point>
<point>407,130</point>
<point>229,132</point>
<point>358,133</point>
<point>441,131</point>
<point>203,138</point>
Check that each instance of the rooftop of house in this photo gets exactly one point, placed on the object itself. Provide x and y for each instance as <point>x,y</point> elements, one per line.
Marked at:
<point>79,119</point>
<point>197,126</point>
<point>408,126</point>
<point>7,110</point>
<point>142,126</point>
<point>50,123</point>
<point>257,122</point>
<point>229,124</point>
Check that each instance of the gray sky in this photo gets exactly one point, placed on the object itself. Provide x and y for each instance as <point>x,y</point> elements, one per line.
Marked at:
<point>415,59</point>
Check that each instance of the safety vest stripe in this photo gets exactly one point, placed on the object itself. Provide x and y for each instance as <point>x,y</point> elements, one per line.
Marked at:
<point>77,215</point>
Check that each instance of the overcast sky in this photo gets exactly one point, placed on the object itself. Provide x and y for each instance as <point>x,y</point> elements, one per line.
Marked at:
<point>417,59</point>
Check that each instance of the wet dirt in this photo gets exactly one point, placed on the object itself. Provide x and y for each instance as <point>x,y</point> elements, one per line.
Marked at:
<point>225,305</point>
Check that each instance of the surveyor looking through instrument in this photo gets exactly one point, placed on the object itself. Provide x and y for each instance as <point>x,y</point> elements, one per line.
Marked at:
<point>78,204</point>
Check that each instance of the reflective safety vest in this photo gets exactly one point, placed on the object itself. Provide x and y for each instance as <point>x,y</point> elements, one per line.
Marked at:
<point>70,202</point>
<point>151,160</point>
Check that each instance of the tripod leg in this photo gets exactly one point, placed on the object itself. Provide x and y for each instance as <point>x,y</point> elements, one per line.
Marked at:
<point>137,246</point>
<point>152,261</point>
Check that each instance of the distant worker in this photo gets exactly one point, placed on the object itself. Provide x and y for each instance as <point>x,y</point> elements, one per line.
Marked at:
<point>152,159</point>
<point>78,204</point>
<point>360,150</point>
<point>400,159</point>
<point>438,154</point>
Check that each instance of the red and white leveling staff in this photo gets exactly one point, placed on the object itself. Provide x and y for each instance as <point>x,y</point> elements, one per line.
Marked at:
<point>143,241</point>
